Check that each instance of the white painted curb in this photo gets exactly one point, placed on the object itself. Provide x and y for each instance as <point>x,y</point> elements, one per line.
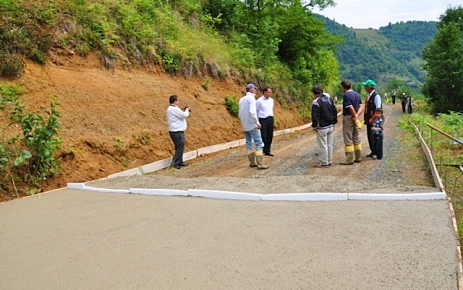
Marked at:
<point>224,194</point>
<point>161,192</point>
<point>393,196</point>
<point>306,197</point>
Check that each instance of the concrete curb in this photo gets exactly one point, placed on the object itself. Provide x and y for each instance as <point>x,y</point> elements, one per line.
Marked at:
<point>219,194</point>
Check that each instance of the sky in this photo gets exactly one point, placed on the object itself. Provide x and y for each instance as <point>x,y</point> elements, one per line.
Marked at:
<point>377,13</point>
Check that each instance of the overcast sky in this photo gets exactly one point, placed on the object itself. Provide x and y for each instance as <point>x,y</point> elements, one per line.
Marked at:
<point>376,13</point>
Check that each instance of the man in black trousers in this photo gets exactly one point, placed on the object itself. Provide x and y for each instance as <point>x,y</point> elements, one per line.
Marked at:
<point>176,120</point>
<point>264,108</point>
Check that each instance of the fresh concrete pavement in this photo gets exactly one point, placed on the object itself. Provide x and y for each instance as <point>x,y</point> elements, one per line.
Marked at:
<point>74,239</point>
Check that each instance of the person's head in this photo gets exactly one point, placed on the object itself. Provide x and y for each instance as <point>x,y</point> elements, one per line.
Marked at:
<point>317,89</point>
<point>378,113</point>
<point>267,92</point>
<point>251,88</point>
<point>369,85</point>
<point>346,84</point>
<point>173,99</point>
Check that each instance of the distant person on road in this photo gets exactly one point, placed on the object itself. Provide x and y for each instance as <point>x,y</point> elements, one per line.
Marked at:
<point>374,102</point>
<point>250,123</point>
<point>410,104</point>
<point>324,116</point>
<point>394,94</point>
<point>386,98</point>
<point>351,108</point>
<point>176,120</point>
<point>264,108</point>
<point>403,101</point>
<point>377,132</point>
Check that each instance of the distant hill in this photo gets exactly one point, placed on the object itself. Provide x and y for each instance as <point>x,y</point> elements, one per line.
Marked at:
<point>393,51</point>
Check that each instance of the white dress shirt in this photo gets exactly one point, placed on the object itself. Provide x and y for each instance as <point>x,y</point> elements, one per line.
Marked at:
<point>264,107</point>
<point>176,118</point>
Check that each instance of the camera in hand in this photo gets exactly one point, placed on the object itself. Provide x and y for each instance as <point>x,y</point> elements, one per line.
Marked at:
<point>187,107</point>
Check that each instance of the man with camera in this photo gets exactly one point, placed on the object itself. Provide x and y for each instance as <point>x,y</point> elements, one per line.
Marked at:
<point>176,120</point>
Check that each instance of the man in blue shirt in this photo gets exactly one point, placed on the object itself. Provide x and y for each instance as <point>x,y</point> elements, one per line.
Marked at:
<point>351,108</point>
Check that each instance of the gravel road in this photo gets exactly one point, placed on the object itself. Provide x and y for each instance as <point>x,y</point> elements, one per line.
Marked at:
<point>292,171</point>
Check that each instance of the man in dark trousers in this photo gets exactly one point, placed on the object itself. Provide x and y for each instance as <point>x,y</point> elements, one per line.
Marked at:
<point>264,108</point>
<point>176,120</point>
<point>374,102</point>
<point>403,100</point>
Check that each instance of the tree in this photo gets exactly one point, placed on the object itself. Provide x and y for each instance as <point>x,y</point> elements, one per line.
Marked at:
<point>444,63</point>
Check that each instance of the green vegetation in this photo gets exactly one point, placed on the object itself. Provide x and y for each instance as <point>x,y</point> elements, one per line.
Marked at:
<point>447,154</point>
<point>393,51</point>
<point>444,63</point>
<point>232,105</point>
<point>268,42</point>
<point>28,160</point>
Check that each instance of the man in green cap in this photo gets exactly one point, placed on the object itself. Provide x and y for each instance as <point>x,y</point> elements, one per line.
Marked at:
<point>373,102</point>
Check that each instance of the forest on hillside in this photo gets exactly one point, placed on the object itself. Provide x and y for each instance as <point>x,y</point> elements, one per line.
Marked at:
<point>393,51</point>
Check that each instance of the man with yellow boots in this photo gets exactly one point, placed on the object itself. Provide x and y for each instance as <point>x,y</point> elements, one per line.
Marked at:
<point>250,123</point>
<point>351,108</point>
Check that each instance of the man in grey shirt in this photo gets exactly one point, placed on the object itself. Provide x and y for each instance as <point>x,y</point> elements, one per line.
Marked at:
<point>251,126</point>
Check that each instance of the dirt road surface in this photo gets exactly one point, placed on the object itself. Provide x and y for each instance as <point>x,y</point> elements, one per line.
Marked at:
<point>70,239</point>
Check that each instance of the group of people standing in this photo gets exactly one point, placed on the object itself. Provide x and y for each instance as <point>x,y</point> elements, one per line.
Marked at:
<point>257,122</point>
<point>407,103</point>
<point>324,117</point>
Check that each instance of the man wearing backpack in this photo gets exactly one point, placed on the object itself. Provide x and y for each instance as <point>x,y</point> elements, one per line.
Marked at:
<point>373,102</point>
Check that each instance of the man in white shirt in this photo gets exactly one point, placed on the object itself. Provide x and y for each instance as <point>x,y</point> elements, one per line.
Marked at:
<point>251,126</point>
<point>264,108</point>
<point>176,120</point>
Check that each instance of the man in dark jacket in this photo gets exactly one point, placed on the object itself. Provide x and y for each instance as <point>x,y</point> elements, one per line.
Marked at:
<point>324,116</point>
<point>403,101</point>
<point>373,102</point>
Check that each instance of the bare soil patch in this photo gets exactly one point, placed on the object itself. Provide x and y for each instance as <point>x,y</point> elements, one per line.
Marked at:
<point>115,120</point>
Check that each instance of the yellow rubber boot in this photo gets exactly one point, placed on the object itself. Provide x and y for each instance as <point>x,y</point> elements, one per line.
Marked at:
<point>349,151</point>
<point>260,160</point>
<point>358,153</point>
<point>252,158</point>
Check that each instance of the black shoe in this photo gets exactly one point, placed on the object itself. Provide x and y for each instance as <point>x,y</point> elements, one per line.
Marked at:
<point>370,155</point>
<point>269,154</point>
<point>176,166</point>
<point>183,164</point>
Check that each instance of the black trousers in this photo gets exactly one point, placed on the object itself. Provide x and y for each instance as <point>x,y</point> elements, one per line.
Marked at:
<point>370,137</point>
<point>179,142</point>
<point>409,109</point>
<point>266,131</point>
<point>378,145</point>
<point>393,100</point>
<point>403,107</point>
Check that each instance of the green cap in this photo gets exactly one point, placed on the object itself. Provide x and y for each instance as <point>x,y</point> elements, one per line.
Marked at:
<point>369,83</point>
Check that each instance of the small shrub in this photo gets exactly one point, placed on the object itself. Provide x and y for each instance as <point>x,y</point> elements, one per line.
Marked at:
<point>232,105</point>
<point>11,64</point>
<point>205,85</point>
<point>29,160</point>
